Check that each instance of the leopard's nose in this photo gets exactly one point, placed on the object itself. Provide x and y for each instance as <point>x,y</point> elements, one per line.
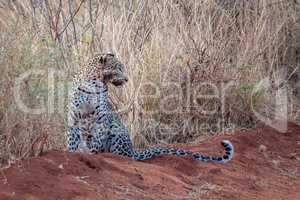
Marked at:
<point>125,79</point>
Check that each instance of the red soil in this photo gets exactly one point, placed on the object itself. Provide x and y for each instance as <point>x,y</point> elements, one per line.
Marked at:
<point>266,166</point>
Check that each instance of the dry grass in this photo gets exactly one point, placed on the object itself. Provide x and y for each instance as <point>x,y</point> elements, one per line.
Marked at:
<point>193,65</point>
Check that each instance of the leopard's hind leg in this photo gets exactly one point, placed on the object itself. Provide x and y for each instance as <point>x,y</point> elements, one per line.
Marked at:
<point>73,139</point>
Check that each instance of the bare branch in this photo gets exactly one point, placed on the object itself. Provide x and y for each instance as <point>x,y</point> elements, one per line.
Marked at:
<point>72,16</point>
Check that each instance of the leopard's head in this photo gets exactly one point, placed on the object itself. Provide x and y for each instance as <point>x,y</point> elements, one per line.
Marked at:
<point>107,68</point>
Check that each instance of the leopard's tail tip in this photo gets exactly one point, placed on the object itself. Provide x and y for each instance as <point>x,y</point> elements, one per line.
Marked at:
<point>229,151</point>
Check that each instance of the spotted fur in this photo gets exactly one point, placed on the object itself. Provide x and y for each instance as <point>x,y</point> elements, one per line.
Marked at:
<point>95,127</point>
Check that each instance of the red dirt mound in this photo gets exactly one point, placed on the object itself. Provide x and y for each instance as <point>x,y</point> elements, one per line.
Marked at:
<point>266,166</point>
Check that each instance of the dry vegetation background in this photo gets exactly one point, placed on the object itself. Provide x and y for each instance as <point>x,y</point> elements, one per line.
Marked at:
<point>174,52</point>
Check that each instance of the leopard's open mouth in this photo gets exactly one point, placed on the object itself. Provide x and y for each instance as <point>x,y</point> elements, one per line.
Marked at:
<point>118,82</point>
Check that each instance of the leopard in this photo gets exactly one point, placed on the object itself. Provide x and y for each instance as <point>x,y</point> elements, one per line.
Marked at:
<point>94,126</point>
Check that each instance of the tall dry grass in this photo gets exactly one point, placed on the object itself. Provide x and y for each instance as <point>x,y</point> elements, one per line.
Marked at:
<point>193,65</point>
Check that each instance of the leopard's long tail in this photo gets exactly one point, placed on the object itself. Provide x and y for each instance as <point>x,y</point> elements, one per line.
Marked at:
<point>149,153</point>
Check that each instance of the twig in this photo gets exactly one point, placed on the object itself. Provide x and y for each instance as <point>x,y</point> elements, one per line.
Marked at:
<point>71,18</point>
<point>57,19</point>
<point>50,17</point>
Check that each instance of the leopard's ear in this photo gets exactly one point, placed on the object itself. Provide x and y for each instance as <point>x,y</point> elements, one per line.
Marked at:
<point>103,59</point>
<point>110,54</point>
